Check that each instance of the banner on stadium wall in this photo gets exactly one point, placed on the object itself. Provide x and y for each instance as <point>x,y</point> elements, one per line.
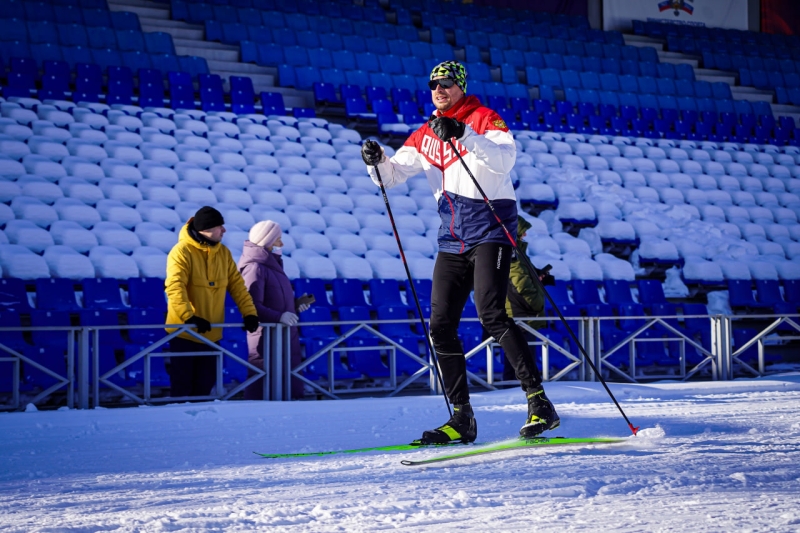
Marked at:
<point>618,14</point>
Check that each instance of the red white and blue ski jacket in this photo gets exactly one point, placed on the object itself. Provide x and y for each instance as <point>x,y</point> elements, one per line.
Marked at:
<point>488,149</point>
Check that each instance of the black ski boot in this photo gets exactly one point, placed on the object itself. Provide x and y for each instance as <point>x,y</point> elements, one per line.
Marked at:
<point>542,415</point>
<point>461,427</point>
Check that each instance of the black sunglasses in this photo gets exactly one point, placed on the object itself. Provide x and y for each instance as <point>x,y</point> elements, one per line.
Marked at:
<point>444,83</point>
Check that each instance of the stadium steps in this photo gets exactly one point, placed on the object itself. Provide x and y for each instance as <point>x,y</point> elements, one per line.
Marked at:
<point>711,75</point>
<point>641,40</point>
<point>222,59</point>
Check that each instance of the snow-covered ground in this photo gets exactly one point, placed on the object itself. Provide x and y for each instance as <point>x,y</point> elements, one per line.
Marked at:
<point>710,457</point>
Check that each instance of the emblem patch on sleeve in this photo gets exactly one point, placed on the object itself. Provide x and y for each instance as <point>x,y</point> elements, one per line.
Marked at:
<point>499,123</point>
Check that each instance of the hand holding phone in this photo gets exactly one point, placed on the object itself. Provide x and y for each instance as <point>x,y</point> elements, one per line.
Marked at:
<point>304,302</point>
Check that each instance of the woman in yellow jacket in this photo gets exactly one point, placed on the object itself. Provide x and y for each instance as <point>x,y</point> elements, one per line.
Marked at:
<point>200,269</point>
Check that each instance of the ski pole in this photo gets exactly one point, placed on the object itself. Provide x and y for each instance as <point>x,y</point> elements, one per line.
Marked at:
<point>532,271</point>
<point>428,342</point>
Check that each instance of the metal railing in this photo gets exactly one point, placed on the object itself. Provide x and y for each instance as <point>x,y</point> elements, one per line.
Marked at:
<point>81,379</point>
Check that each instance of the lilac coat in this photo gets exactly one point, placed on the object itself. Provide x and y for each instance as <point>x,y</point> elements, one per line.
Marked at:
<point>272,295</point>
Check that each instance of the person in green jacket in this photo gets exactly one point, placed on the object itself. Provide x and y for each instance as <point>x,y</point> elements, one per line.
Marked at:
<point>524,298</point>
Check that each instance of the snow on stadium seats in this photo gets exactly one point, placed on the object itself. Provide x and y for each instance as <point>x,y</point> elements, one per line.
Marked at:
<point>17,261</point>
<point>377,240</point>
<point>761,215</point>
<point>369,218</point>
<point>192,173</point>
<point>614,267</point>
<point>734,270</point>
<point>299,181</point>
<point>341,239</point>
<point>717,197</point>
<point>113,235</point>
<point>28,234</point>
<point>156,212</point>
<point>117,212</point>
<point>232,196</point>
<point>349,265</point>
<point>156,236</point>
<point>583,267</point>
<point>117,169</point>
<point>314,265</point>
<point>151,262</point>
<point>34,210</point>
<point>160,153</point>
<point>157,192</point>
<point>302,217</point>
<point>194,156</point>
<point>44,167</point>
<point>698,270</point>
<point>315,242</point>
<point>119,190</point>
<point>222,156</point>
<point>385,265</point>
<point>65,262</point>
<point>130,123</point>
<point>767,248</point>
<point>762,270</point>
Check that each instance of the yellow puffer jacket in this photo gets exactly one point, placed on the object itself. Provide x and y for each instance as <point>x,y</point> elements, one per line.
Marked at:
<point>198,275</point>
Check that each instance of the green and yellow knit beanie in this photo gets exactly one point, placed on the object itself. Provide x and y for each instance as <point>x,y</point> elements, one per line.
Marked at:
<point>453,70</point>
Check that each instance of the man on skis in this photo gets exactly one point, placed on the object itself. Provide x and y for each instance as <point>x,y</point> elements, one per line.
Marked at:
<point>474,252</point>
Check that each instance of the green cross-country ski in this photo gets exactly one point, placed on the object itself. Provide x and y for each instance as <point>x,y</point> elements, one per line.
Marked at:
<point>512,445</point>
<point>416,445</point>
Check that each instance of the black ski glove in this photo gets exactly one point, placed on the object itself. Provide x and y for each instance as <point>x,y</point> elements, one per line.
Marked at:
<point>446,128</point>
<point>251,323</point>
<point>202,324</point>
<point>371,153</point>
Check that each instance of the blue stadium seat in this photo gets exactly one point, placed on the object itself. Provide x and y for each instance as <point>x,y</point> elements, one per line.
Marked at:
<point>72,35</point>
<point>147,293</point>
<point>41,31</point>
<point>101,293</point>
<point>96,18</point>
<point>54,87</point>
<point>102,38</point>
<point>159,43</point>
<point>125,20</point>
<point>356,313</point>
<point>51,357</point>
<point>56,294</point>
<point>41,318</point>
<point>13,295</point>
<point>106,58</point>
<point>211,92</point>
<point>88,83</point>
<point>272,103</point>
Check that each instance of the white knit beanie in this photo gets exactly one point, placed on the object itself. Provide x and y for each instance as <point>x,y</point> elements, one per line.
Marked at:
<point>265,233</point>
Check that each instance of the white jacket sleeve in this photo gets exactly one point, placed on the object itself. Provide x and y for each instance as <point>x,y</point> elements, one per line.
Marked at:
<point>494,151</point>
<point>403,164</point>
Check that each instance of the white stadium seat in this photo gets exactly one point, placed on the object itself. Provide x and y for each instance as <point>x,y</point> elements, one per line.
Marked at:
<point>117,212</point>
<point>66,262</point>
<point>28,234</point>
<point>17,261</point>
<point>111,263</point>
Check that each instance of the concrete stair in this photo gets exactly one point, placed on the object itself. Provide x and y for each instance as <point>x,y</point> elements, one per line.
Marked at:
<point>222,59</point>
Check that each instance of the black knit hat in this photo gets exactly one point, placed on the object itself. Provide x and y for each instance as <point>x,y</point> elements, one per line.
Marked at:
<point>206,218</point>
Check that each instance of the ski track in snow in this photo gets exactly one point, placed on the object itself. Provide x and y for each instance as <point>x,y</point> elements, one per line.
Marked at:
<point>719,456</point>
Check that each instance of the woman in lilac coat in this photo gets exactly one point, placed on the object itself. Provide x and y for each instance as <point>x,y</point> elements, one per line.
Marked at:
<point>261,267</point>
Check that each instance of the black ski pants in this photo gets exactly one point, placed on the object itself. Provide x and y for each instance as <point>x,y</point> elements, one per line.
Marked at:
<point>485,269</point>
<point>191,375</point>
